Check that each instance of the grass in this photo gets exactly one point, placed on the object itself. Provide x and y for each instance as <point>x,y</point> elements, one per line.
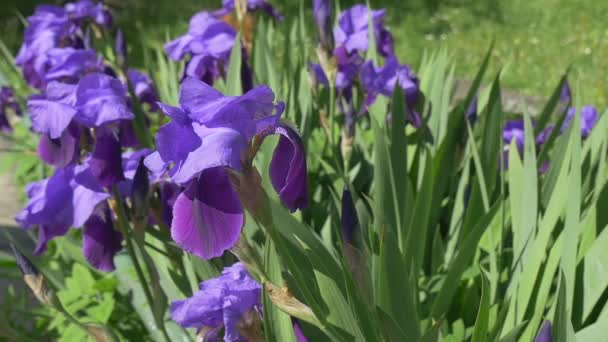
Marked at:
<point>536,40</point>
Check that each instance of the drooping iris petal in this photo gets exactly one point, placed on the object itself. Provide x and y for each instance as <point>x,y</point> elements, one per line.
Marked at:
<point>100,241</point>
<point>544,334</point>
<point>105,162</point>
<point>62,151</point>
<point>45,234</point>
<point>101,99</point>
<point>221,301</point>
<point>288,169</point>
<point>353,32</point>
<point>66,199</point>
<point>207,216</point>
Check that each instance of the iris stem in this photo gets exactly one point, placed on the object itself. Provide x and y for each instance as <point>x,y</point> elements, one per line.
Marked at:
<point>123,226</point>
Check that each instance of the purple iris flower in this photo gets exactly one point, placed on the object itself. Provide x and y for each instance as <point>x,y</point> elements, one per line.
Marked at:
<point>69,65</point>
<point>321,11</point>
<point>544,334</point>
<point>297,331</point>
<point>589,118</point>
<point>353,32</point>
<point>228,6</point>
<point>209,42</point>
<point>66,199</point>
<point>144,88</point>
<point>382,81</point>
<point>86,9</point>
<point>226,301</point>
<point>471,113</point>
<point>566,94</point>
<point>514,130</point>
<point>7,101</point>
<point>350,221</point>
<point>53,27</point>
<point>105,162</point>
<point>100,241</point>
<point>209,133</point>
<point>96,100</point>
<point>348,70</point>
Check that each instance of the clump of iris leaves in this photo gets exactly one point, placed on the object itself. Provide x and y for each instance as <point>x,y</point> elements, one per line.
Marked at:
<point>449,246</point>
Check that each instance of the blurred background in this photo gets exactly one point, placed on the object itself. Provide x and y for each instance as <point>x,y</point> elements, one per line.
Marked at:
<point>536,40</point>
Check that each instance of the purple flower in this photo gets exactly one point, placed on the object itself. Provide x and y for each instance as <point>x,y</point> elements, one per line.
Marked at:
<point>297,331</point>
<point>53,27</point>
<point>544,334</point>
<point>100,241</point>
<point>69,64</point>
<point>86,9</point>
<point>382,81</point>
<point>514,130</point>
<point>471,113</point>
<point>209,133</point>
<point>566,94</point>
<point>66,199</point>
<point>321,11</point>
<point>589,118</point>
<point>353,32</point>
<point>207,216</point>
<point>350,221</point>
<point>288,168</point>
<point>209,41</point>
<point>98,99</point>
<point>7,101</point>
<point>228,300</point>
<point>348,70</point>
<point>252,5</point>
<point>144,88</point>
<point>61,151</point>
<point>105,162</point>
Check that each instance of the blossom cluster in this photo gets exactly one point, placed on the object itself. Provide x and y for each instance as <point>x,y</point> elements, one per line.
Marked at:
<point>347,46</point>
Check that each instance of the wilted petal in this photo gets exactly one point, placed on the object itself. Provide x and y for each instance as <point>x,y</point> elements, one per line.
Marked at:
<point>288,169</point>
<point>207,216</point>
<point>100,241</point>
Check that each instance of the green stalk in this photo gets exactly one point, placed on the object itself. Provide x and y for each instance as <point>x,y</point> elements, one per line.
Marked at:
<point>123,226</point>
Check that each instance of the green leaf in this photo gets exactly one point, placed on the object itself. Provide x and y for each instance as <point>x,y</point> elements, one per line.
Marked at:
<point>277,324</point>
<point>233,80</point>
<point>480,331</point>
<point>462,260</point>
<point>595,275</point>
<point>562,326</point>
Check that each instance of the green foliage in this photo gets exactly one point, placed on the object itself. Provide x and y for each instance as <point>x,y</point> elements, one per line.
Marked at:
<point>452,245</point>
